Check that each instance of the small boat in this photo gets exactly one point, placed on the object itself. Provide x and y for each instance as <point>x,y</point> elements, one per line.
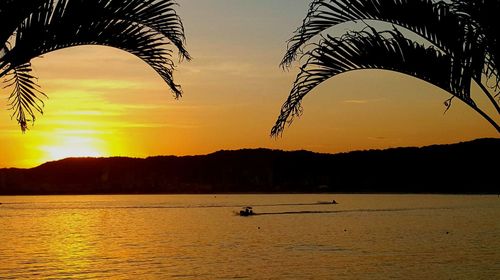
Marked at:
<point>328,202</point>
<point>246,211</point>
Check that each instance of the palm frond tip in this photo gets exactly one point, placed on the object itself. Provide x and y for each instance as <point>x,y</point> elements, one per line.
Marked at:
<point>432,20</point>
<point>25,98</point>
<point>463,34</point>
<point>388,50</point>
<point>146,28</point>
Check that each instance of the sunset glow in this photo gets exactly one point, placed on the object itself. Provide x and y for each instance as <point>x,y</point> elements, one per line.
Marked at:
<point>73,146</point>
<point>247,139</point>
<point>105,102</point>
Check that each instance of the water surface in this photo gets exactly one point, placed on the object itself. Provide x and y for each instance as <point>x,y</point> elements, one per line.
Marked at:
<point>292,237</point>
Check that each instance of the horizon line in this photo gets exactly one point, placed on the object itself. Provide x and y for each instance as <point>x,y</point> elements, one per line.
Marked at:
<point>252,149</point>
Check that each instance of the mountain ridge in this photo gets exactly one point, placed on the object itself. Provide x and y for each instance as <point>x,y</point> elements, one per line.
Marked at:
<point>464,167</point>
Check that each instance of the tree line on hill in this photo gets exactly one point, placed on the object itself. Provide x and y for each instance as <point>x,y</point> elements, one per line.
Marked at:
<point>458,168</point>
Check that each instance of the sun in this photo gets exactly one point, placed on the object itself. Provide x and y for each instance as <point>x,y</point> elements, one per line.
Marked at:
<point>73,146</point>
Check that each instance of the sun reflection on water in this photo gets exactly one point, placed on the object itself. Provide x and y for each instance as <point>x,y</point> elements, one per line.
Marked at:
<point>72,246</point>
<point>185,237</point>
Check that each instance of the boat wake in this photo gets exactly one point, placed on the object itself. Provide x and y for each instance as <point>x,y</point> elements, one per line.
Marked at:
<point>351,211</point>
<point>71,205</point>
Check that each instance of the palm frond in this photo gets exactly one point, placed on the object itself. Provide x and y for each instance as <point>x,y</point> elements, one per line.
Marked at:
<point>73,23</point>
<point>158,15</point>
<point>432,20</point>
<point>482,18</point>
<point>388,50</point>
<point>25,98</point>
<point>13,12</point>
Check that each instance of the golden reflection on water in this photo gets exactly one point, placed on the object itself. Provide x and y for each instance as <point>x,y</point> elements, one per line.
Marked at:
<point>71,244</point>
<point>185,237</point>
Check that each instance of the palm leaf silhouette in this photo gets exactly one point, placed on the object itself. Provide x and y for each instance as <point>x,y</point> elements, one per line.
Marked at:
<point>433,21</point>
<point>24,99</point>
<point>144,28</point>
<point>482,18</point>
<point>12,12</point>
<point>457,47</point>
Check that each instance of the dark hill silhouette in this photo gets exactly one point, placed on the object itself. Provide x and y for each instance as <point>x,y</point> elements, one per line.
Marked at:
<point>458,168</point>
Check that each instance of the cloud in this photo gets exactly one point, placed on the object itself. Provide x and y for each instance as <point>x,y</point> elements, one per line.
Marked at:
<point>101,126</point>
<point>356,101</point>
<point>94,84</point>
<point>362,101</point>
<point>87,113</point>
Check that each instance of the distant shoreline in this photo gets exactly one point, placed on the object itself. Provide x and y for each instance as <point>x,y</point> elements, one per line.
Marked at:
<point>463,168</point>
<point>254,193</point>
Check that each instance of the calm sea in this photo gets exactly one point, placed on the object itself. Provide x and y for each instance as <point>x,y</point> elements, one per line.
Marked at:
<point>292,237</point>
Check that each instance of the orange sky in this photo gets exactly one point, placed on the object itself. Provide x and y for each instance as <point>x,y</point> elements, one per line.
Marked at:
<point>105,102</point>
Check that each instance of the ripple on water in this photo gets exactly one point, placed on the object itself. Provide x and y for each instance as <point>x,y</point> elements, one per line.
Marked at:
<point>195,237</point>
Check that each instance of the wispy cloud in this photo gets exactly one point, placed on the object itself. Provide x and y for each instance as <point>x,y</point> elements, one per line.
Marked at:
<point>80,132</point>
<point>157,125</point>
<point>158,107</point>
<point>93,84</point>
<point>362,101</point>
<point>356,101</point>
<point>87,113</point>
<point>385,139</point>
<point>89,126</point>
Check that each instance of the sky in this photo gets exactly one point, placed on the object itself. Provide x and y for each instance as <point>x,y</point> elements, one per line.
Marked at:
<point>105,102</point>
